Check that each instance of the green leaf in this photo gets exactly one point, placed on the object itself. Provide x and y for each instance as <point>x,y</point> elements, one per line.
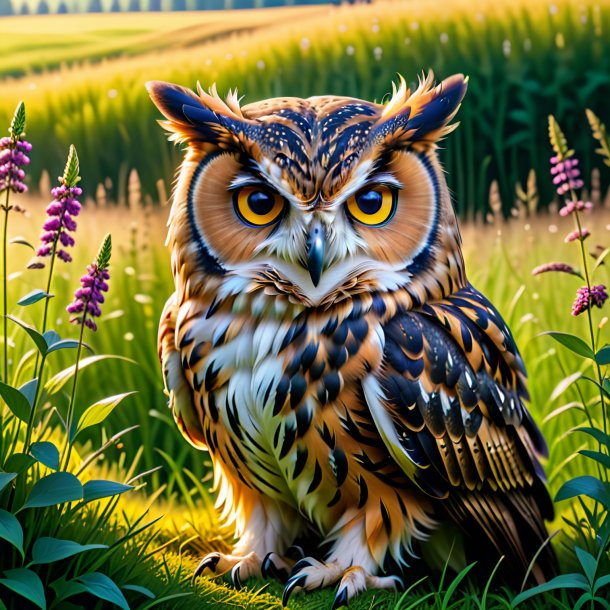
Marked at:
<point>22,241</point>
<point>598,435</point>
<point>26,583</point>
<point>139,589</point>
<point>573,343</point>
<point>28,389</point>
<point>564,384</point>
<point>564,581</point>
<point>168,598</point>
<point>585,486</point>
<point>55,488</point>
<point>39,340</point>
<point>18,462</point>
<point>71,177</point>
<point>65,344</point>
<point>588,563</point>
<point>602,581</point>
<point>48,550</point>
<point>33,297</point>
<point>10,530</point>
<point>103,587</point>
<point>96,489</point>
<point>57,382</point>
<point>98,412</point>
<point>51,337</point>
<point>6,478</point>
<point>46,453</point>
<point>603,355</point>
<point>598,456</point>
<point>600,259</point>
<point>17,128</point>
<point>16,401</point>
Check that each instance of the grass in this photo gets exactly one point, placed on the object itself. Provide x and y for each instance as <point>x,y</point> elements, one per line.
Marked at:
<point>140,283</point>
<point>525,60</point>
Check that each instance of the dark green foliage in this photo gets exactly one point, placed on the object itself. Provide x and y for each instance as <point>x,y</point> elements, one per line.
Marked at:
<point>6,7</point>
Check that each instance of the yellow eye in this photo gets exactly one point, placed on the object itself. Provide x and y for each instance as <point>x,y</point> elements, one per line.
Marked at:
<point>257,207</point>
<point>373,206</point>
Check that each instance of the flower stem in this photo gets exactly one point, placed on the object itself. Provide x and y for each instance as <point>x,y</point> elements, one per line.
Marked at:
<point>5,285</point>
<point>70,417</point>
<point>28,432</point>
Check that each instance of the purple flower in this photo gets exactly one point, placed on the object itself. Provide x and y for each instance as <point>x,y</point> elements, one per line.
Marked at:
<point>575,206</point>
<point>586,298</point>
<point>566,175</point>
<point>60,222</point>
<point>12,158</point>
<point>88,297</point>
<point>561,267</point>
<point>574,235</point>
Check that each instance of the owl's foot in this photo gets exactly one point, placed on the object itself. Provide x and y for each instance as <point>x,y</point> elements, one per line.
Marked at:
<point>310,574</point>
<point>280,567</point>
<point>241,568</point>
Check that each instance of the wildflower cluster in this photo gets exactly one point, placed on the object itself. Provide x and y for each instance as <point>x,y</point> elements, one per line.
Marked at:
<point>566,175</point>
<point>60,215</point>
<point>588,297</point>
<point>13,155</point>
<point>89,297</point>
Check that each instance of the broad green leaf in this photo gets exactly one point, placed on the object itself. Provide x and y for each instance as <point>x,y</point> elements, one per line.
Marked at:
<point>573,343</point>
<point>598,435</point>
<point>104,587</point>
<point>46,453</point>
<point>585,486</point>
<point>64,344</point>
<point>48,550</point>
<point>28,389</point>
<point>22,241</point>
<point>56,383</point>
<point>564,581</point>
<point>16,401</point>
<point>602,581</point>
<point>603,355</point>
<point>10,530</point>
<point>18,462</point>
<point>139,589</point>
<point>33,297</point>
<point>6,478</point>
<point>55,488</point>
<point>98,412</point>
<point>96,489</point>
<point>51,337</point>
<point>598,456</point>
<point>588,563</point>
<point>26,583</point>
<point>39,340</point>
<point>564,384</point>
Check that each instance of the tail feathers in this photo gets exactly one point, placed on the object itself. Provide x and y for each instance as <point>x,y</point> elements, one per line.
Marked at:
<point>508,524</point>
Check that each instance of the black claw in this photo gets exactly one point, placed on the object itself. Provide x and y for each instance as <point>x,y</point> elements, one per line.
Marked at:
<point>211,562</point>
<point>295,553</point>
<point>400,585</point>
<point>235,578</point>
<point>299,565</point>
<point>291,585</point>
<point>270,570</point>
<point>341,599</point>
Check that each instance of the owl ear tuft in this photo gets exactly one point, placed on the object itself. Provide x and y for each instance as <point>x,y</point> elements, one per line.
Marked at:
<point>421,117</point>
<point>191,117</point>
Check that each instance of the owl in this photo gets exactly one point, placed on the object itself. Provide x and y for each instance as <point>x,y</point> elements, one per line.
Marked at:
<point>323,343</point>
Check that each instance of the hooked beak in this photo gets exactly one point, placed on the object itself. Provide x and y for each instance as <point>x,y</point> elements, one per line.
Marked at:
<point>316,241</point>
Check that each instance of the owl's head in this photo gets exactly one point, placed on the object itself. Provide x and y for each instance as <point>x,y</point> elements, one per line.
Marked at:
<point>319,199</point>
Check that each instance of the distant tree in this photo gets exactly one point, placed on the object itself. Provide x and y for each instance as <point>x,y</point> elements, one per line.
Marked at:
<point>154,5</point>
<point>115,7</point>
<point>62,8</point>
<point>178,5</point>
<point>25,9</point>
<point>6,7</point>
<point>43,7</point>
<point>134,6</point>
<point>95,6</point>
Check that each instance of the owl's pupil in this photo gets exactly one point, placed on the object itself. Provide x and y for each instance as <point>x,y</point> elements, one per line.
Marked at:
<point>369,201</point>
<point>260,203</point>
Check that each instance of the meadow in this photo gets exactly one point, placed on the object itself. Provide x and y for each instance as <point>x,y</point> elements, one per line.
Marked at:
<point>82,80</point>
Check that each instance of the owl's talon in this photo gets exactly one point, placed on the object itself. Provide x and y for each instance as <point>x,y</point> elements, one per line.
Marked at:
<point>300,565</point>
<point>237,584</point>
<point>341,599</point>
<point>209,561</point>
<point>270,570</point>
<point>294,582</point>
